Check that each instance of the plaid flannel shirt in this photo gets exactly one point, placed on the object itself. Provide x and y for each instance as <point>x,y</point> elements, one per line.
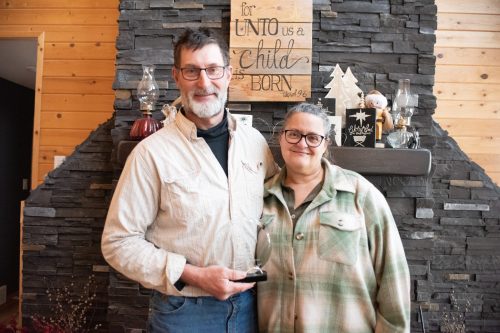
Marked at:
<point>343,268</point>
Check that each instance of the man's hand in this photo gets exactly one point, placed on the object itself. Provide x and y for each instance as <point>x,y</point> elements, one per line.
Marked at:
<point>215,280</point>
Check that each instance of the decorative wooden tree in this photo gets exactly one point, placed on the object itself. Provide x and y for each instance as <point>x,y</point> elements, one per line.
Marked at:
<point>338,92</point>
<point>352,90</point>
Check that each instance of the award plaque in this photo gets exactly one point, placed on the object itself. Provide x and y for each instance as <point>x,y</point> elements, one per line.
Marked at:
<point>262,254</point>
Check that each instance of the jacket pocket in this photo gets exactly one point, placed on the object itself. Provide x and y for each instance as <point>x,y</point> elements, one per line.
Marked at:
<point>339,236</point>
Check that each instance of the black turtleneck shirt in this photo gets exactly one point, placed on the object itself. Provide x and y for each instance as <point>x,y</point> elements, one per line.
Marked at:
<point>217,139</point>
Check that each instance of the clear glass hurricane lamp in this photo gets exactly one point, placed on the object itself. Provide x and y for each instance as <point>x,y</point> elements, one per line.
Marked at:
<point>147,93</point>
<point>402,110</point>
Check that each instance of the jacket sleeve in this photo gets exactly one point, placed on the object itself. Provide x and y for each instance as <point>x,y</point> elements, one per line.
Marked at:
<point>390,265</point>
<point>133,209</point>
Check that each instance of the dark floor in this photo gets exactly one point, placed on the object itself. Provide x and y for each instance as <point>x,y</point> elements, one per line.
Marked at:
<point>9,309</point>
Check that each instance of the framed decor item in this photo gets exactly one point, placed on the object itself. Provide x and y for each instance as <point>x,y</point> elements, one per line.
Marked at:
<point>360,127</point>
<point>336,125</point>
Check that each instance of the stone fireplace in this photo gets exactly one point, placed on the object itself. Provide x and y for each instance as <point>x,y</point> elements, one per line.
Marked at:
<point>448,218</point>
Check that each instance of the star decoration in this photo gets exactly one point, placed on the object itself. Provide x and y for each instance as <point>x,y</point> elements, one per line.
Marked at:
<point>360,116</point>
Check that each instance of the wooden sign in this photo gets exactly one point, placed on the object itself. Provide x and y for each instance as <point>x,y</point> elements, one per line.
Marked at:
<point>360,127</point>
<point>270,50</point>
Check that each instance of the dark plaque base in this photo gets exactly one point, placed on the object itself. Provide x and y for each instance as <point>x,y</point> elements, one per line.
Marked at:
<point>254,277</point>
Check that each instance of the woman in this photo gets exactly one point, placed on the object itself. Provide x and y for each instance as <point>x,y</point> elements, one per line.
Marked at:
<point>337,263</point>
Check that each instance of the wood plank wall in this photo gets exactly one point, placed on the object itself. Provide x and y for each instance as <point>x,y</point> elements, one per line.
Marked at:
<point>468,78</point>
<point>78,68</point>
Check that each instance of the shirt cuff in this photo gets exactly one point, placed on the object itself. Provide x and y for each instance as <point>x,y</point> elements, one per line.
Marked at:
<point>175,267</point>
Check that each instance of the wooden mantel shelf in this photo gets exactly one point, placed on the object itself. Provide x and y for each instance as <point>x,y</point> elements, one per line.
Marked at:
<point>366,161</point>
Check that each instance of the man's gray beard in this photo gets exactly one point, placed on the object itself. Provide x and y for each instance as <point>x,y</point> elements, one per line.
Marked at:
<point>205,110</point>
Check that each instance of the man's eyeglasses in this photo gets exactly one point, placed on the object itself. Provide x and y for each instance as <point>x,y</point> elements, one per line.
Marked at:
<point>193,73</point>
<point>312,140</point>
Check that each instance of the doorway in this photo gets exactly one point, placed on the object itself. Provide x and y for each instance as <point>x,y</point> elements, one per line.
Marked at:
<point>18,79</point>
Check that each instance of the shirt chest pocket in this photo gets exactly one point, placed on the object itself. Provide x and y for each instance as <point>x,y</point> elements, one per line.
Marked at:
<point>182,198</point>
<point>339,237</point>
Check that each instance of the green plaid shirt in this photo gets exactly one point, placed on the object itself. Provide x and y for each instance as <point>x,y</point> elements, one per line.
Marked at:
<point>343,268</point>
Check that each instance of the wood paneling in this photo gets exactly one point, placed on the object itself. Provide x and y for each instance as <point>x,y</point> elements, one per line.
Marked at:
<point>486,39</point>
<point>47,153</point>
<point>70,33</point>
<point>77,72</point>
<point>468,74</point>
<point>470,127</point>
<point>490,161</point>
<point>479,144</point>
<point>61,16</point>
<point>467,109</point>
<point>97,50</point>
<point>42,4</point>
<point>84,85</point>
<point>68,120</point>
<point>468,78</point>
<point>95,68</point>
<point>44,169</point>
<point>470,22</point>
<point>468,6</point>
<point>63,137</point>
<point>466,92</point>
<point>466,56</point>
<point>73,102</point>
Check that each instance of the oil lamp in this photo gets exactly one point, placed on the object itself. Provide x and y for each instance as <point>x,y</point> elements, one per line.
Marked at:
<point>402,111</point>
<point>147,93</point>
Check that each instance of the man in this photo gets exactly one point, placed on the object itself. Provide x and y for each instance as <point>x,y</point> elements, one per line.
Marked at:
<point>180,221</point>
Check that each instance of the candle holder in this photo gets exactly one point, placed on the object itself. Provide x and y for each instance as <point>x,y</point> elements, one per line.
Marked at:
<point>147,93</point>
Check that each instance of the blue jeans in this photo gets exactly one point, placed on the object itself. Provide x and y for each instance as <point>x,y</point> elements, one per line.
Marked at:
<point>172,314</point>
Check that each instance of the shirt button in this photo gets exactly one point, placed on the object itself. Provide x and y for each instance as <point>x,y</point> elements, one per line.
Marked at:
<point>290,276</point>
<point>299,236</point>
<point>293,216</point>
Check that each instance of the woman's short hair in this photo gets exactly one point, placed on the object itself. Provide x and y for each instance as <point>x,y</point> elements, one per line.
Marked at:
<point>311,109</point>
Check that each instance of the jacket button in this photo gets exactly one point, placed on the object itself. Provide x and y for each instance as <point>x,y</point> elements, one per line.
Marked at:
<point>299,236</point>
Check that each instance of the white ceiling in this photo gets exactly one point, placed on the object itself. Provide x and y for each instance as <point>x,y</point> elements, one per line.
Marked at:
<point>18,61</point>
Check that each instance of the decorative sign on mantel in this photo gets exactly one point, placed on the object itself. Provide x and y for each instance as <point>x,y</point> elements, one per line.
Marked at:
<point>270,50</point>
<point>360,127</point>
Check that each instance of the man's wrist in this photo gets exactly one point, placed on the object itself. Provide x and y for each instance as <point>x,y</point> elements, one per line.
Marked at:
<point>181,283</point>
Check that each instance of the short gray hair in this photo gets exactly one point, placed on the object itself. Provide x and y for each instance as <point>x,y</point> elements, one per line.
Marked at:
<point>311,109</point>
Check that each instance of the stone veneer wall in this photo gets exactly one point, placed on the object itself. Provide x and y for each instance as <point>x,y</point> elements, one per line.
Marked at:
<point>449,221</point>
<point>63,222</point>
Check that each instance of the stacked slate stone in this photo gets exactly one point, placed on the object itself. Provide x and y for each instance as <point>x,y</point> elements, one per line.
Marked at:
<point>63,222</point>
<point>449,221</point>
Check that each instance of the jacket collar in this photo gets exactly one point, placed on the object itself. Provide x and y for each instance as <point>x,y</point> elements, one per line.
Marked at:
<point>336,179</point>
<point>188,128</point>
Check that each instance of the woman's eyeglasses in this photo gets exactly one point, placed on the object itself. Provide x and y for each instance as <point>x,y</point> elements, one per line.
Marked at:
<point>193,73</point>
<point>294,137</point>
